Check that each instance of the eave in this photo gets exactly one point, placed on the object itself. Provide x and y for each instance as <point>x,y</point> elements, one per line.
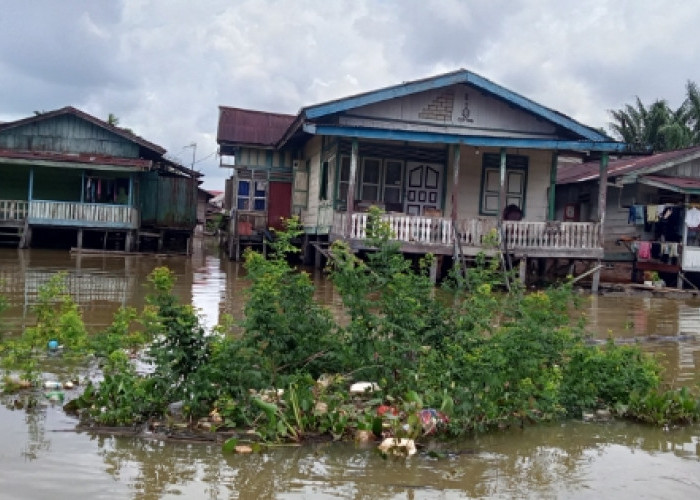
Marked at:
<point>481,141</point>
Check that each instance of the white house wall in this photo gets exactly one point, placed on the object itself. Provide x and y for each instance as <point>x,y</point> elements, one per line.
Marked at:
<point>470,171</point>
<point>312,154</point>
<point>459,109</point>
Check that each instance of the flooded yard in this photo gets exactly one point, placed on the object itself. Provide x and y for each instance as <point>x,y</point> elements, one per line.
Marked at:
<point>43,457</point>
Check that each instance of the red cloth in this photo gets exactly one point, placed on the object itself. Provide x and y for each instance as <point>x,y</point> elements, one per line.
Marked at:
<point>644,251</point>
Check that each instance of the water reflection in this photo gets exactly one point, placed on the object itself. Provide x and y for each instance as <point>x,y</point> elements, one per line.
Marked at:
<point>572,460</point>
<point>667,327</point>
<point>566,460</point>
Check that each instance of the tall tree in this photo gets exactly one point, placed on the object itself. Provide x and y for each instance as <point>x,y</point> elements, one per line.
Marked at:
<point>657,125</point>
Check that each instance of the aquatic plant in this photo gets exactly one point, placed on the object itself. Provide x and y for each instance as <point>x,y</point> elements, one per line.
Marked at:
<point>59,328</point>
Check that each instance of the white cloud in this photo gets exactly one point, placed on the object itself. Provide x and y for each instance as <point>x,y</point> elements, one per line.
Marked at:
<point>164,66</point>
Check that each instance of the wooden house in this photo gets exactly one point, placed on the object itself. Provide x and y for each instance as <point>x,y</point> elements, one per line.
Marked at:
<point>70,179</point>
<point>649,199</point>
<point>450,159</point>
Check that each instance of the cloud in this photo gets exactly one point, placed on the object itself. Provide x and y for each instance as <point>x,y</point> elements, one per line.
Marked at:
<point>164,66</point>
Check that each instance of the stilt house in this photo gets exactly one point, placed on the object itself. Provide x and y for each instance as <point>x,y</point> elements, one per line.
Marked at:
<point>450,159</point>
<point>69,179</point>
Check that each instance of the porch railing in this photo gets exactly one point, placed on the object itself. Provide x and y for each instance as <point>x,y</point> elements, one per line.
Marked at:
<point>13,210</point>
<point>475,232</point>
<point>557,235</point>
<point>83,214</point>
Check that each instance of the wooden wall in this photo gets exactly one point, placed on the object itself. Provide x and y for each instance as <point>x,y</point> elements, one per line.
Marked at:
<point>68,134</point>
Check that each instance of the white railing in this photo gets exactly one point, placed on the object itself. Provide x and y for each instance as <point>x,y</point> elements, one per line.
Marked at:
<point>83,214</point>
<point>556,235</point>
<point>13,210</point>
<point>475,232</point>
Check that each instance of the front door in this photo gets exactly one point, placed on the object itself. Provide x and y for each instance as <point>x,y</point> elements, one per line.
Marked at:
<point>423,187</point>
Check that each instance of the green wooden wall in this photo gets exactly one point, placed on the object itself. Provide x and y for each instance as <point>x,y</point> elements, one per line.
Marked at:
<point>67,134</point>
<point>14,184</point>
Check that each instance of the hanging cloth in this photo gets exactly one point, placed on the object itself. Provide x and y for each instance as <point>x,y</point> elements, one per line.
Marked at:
<point>692,217</point>
<point>652,213</point>
<point>636,215</point>
<point>644,250</point>
<point>673,249</point>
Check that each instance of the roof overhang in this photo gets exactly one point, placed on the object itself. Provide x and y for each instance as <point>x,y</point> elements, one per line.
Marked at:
<point>482,141</point>
<point>458,77</point>
<point>676,184</point>
<point>43,162</point>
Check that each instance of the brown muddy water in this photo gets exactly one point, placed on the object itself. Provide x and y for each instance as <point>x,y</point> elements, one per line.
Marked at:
<point>42,457</point>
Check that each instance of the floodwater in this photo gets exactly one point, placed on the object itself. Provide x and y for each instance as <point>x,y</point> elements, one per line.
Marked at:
<point>42,457</point>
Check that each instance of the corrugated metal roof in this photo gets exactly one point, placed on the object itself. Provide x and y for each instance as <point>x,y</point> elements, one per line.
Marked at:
<point>90,159</point>
<point>126,134</point>
<point>250,127</point>
<point>581,172</point>
<point>682,183</point>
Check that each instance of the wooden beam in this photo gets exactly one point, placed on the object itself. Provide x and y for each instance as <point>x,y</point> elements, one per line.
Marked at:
<point>455,181</point>
<point>502,191</point>
<point>351,185</point>
<point>552,186</point>
<point>602,193</point>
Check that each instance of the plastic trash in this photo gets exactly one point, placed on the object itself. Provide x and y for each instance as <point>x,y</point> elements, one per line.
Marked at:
<point>55,396</point>
<point>363,387</point>
<point>52,384</point>
<point>403,446</point>
<point>53,345</point>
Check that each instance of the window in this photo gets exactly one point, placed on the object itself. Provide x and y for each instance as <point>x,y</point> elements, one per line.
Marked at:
<point>344,180</point>
<point>371,175</point>
<point>379,181</point>
<point>323,191</point>
<point>516,181</point>
<point>393,182</point>
<point>252,195</point>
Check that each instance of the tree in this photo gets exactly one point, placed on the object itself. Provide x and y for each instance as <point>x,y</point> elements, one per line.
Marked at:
<point>658,125</point>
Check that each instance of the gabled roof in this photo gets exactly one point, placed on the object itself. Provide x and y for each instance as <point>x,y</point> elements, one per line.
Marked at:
<point>240,127</point>
<point>456,77</point>
<point>70,110</point>
<point>627,166</point>
<point>249,127</point>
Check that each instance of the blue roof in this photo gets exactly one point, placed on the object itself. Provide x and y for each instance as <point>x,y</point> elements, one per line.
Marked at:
<point>461,76</point>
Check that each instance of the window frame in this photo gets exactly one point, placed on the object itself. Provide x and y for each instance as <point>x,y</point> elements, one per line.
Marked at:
<point>254,198</point>
<point>515,164</point>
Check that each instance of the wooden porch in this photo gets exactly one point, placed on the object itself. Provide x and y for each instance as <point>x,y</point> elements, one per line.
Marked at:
<point>420,234</point>
<point>88,215</point>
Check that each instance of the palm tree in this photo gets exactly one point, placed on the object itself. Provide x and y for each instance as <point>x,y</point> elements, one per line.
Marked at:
<point>113,120</point>
<point>657,126</point>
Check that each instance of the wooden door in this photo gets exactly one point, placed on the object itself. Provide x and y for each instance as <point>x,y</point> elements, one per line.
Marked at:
<point>423,187</point>
<point>279,203</point>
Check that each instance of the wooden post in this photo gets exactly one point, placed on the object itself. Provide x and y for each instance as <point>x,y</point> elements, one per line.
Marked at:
<point>80,238</point>
<point>553,186</point>
<point>434,270</point>
<point>602,194</point>
<point>31,184</point>
<point>455,182</point>
<point>522,270</point>
<point>351,187</point>
<point>502,191</point>
<point>679,281</point>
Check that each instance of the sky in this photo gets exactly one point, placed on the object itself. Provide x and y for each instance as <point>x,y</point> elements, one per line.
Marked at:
<point>163,67</point>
